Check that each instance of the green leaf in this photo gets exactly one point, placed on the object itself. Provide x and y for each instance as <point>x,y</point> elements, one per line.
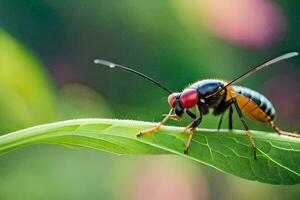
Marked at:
<point>278,157</point>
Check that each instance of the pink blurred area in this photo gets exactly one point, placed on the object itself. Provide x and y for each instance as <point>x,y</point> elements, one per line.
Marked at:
<point>254,24</point>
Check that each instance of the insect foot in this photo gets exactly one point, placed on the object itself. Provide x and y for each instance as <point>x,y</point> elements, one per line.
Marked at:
<point>140,134</point>
<point>149,131</point>
<point>254,152</point>
<point>186,150</point>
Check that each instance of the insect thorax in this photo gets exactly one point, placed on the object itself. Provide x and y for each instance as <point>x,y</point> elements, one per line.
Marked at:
<point>207,86</point>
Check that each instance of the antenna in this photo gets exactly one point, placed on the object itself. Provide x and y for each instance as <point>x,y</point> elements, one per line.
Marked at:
<point>114,65</point>
<point>256,69</point>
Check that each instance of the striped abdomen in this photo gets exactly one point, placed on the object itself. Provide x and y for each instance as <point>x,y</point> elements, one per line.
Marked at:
<point>253,104</point>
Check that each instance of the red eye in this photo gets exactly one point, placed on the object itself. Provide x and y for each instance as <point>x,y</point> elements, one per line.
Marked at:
<point>189,98</point>
<point>171,99</point>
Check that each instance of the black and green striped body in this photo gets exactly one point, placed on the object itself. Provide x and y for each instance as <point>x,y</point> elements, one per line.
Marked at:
<point>253,104</point>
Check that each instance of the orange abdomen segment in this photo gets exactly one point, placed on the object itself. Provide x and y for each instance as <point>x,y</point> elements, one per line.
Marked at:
<point>252,104</point>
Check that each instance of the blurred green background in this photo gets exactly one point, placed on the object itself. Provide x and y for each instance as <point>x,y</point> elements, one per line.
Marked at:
<point>47,74</point>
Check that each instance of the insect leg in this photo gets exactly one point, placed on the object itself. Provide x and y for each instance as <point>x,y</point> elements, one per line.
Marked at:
<point>191,114</point>
<point>220,122</point>
<point>221,109</point>
<point>281,132</point>
<point>189,126</point>
<point>173,117</point>
<point>193,126</point>
<point>230,118</point>
<point>245,126</point>
<point>157,127</point>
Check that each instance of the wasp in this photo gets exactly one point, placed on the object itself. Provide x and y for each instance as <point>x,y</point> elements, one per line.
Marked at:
<point>218,96</point>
